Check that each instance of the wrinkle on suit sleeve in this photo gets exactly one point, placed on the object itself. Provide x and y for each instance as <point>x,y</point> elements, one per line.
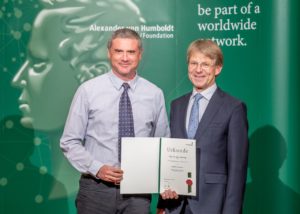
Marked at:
<point>237,157</point>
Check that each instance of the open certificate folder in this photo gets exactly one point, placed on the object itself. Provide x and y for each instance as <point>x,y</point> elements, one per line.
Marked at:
<point>152,165</point>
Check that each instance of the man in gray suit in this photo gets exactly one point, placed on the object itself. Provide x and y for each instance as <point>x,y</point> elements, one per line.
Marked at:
<point>221,130</point>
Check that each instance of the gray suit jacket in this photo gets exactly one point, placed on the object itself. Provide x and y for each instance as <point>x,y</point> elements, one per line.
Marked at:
<point>222,154</point>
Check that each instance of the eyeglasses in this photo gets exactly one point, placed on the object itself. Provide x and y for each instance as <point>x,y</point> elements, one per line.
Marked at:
<point>203,65</point>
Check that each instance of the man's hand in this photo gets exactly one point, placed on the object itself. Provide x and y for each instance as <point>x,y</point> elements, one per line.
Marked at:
<point>160,211</point>
<point>169,194</point>
<point>110,174</point>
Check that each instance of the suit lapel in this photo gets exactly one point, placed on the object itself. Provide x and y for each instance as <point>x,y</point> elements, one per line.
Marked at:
<point>184,105</point>
<point>211,110</point>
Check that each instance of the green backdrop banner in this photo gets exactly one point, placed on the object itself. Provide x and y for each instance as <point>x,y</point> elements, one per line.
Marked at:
<point>49,47</point>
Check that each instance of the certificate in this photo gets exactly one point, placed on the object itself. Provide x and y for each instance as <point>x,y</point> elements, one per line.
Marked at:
<point>152,165</point>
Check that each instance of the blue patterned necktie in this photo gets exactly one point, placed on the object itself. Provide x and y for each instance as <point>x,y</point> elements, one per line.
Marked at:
<point>194,117</point>
<point>126,126</point>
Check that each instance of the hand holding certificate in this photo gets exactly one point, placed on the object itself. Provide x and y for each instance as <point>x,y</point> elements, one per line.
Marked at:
<point>153,165</point>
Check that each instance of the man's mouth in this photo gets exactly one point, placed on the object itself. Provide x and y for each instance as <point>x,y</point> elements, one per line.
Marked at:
<point>24,108</point>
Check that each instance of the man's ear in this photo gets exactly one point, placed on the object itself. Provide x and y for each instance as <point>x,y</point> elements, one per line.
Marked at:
<point>85,64</point>
<point>218,70</point>
<point>108,54</point>
<point>86,71</point>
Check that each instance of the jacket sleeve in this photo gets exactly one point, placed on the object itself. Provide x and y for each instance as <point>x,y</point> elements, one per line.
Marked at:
<point>237,158</point>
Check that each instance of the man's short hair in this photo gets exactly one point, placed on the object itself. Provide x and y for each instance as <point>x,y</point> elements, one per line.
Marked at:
<point>208,48</point>
<point>125,33</point>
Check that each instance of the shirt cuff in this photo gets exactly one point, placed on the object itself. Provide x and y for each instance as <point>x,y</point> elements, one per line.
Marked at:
<point>95,167</point>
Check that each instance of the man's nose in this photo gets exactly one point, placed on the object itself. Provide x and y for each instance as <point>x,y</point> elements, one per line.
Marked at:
<point>125,56</point>
<point>19,79</point>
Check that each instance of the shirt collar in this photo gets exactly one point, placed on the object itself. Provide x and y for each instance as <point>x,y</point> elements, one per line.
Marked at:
<point>207,93</point>
<point>117,82</point>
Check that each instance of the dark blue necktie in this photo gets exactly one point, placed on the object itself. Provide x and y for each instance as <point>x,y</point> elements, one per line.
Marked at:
<point>126,126</point>
<point>194,117</point>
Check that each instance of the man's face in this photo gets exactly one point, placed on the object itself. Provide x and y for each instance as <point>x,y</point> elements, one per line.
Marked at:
<point>125,56</point>
<point>47,81</point>
<point>202,71</point>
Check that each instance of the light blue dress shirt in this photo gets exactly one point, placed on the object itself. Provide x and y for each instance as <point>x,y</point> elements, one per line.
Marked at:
<point>203,102</point>
<point>90,137</point>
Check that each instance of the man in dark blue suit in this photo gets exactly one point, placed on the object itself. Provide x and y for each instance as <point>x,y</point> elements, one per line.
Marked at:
<point>221,132</point>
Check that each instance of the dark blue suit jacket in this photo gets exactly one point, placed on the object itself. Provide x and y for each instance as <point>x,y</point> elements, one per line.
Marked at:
<point>222,153</point>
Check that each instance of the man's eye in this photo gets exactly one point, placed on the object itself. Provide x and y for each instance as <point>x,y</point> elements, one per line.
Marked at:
<point>39,67</point>
<point>193,64</point>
